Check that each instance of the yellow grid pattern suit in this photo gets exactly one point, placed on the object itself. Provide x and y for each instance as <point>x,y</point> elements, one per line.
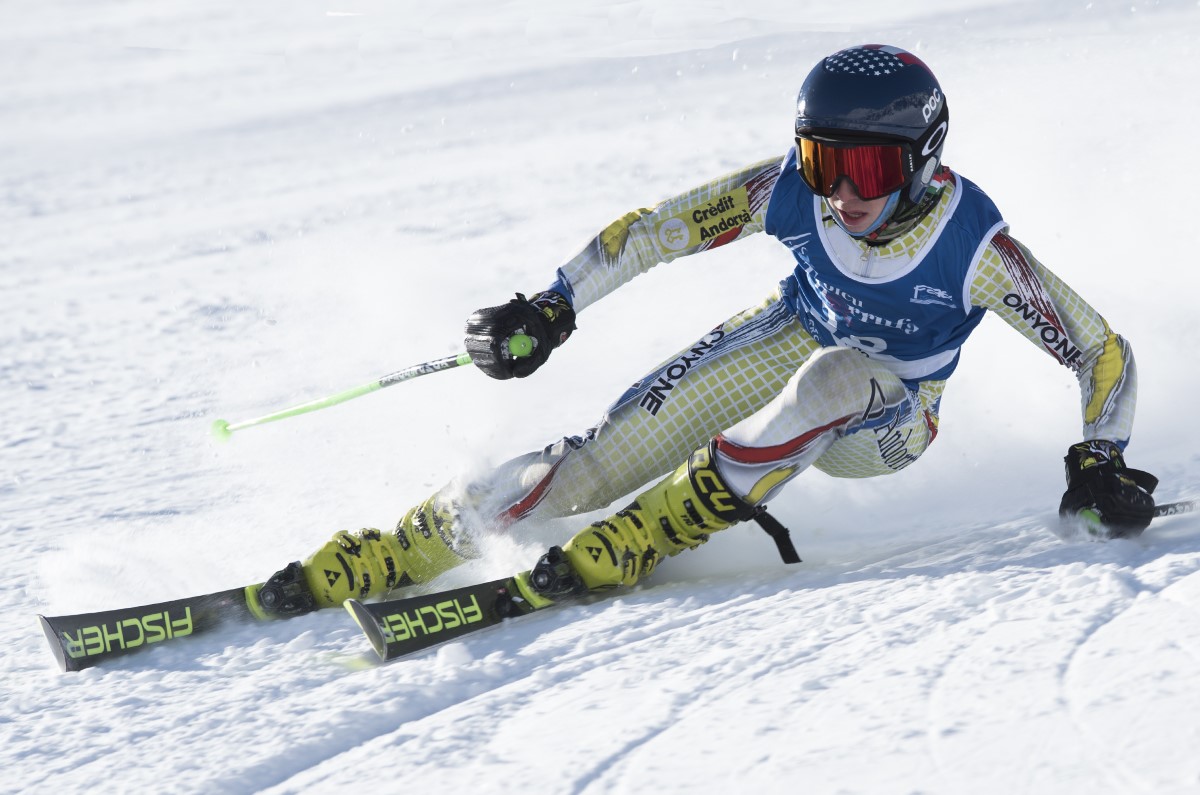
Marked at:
<point>745,364</point>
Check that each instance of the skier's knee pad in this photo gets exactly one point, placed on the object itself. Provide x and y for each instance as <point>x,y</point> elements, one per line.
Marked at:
<point>844,378</point>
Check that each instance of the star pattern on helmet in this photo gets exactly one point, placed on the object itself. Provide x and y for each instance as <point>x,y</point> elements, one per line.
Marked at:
<point>864,61</point>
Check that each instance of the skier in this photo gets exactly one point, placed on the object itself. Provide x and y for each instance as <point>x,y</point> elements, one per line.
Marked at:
<point>842,367</point>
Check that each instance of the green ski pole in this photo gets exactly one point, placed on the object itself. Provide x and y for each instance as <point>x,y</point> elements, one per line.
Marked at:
<point>519,345</point>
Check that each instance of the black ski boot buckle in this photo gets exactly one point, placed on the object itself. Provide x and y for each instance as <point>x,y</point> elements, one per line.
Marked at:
<point>553,577</point>
<point>286,593</point>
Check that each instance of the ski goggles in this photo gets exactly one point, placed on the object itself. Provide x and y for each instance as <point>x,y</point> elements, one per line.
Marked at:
<point>875,169</point>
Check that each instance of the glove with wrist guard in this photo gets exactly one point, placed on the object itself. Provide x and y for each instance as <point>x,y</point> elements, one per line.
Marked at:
<point>546,318</point>
<point>1099,483</point>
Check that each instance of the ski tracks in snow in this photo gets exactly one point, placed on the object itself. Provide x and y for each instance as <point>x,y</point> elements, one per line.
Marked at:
<point>996,649</point>
<point>1134,673</point>
<point>953,655</point>
<point>1051,679</point>
<point>905,656</point>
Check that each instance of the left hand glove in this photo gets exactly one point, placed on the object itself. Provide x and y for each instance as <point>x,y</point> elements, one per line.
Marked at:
<point>1099,482</point>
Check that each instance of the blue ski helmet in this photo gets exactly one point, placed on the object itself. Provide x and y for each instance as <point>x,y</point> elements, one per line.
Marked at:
<point>875,94</point>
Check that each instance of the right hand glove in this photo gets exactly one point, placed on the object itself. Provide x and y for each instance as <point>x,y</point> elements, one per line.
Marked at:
<point>546,318</point>
<point>1098,482</point>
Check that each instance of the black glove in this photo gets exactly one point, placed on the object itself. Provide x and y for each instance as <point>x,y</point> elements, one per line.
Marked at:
<point>547,318</point>
<point>1099,481</point>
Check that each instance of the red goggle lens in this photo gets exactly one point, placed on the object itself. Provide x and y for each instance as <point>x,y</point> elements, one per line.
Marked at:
<point>875,169</point>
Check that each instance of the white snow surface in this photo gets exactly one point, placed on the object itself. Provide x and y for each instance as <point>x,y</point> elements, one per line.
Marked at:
<point>220,209</point>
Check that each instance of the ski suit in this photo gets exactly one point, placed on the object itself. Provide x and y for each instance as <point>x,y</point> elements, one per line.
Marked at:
<point>841,367</point>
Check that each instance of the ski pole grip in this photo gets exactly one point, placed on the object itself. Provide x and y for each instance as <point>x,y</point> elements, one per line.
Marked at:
<point>520,346</point>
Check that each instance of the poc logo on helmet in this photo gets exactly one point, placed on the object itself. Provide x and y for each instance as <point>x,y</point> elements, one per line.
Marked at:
<point>930,108</point>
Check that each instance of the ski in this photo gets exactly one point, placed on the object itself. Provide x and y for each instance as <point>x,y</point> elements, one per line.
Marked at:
<point>86,639</point>
<point>1171,509</point>
<point>395,627</point>
<point>402,626</point>
<point>399,627</point>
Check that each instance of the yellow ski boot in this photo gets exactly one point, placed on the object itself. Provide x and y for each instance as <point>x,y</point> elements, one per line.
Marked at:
<point>365,564</point>
<point>678,513</point>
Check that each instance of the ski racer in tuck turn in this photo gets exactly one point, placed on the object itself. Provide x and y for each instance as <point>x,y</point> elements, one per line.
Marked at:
<point>842,367</point>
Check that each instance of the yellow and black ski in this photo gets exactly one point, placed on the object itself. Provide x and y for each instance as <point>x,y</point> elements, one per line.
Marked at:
<point>83,640</point>
<point>402,626</point>
<point>395,627</point>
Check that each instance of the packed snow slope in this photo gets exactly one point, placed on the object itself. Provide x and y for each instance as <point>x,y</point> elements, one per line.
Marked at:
<point>215,210</point>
